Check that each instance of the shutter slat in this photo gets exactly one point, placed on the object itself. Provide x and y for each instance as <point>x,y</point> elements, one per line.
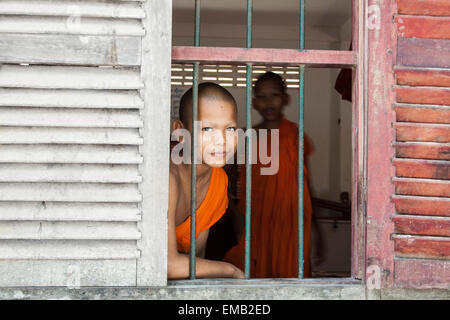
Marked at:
<point>422,187</point>
<point>70,98</point>
<point>69,211</point>
<point>426,8</point>
<point>38,230</point>
<point>422,132</point>
<point>73,7</point>
<point>55,77</point>
<point>25,135</point>
<point>417,225</point>
<point>70,49</point>
<point>423,150</point>
<point>68,249</point>
<point>57,117</point>
<point>422,113</point>
<point>423,77</point>
<point>423,27</point>
<point>418,168</point>
<point>75,192</point>
<point>423,95</point>
<point>69,173</point>
<point>69,154</point>
<point>432,206</point>
<point>422,246</point>
<point>428,53</point>
<point>70,25</point>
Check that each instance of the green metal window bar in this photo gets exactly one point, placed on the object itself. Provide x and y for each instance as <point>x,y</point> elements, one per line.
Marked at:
<point>248,146</point>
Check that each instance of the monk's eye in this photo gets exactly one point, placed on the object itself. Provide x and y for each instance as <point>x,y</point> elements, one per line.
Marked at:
<point>207,129</point>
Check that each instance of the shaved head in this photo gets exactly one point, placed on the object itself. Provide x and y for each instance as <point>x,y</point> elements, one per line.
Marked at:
<point>206,90</point>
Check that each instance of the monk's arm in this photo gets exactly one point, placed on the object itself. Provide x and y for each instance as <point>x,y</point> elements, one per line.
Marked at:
<point>178,263</point>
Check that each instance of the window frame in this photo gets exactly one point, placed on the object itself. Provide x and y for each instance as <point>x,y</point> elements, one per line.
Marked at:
<point>356,59</point>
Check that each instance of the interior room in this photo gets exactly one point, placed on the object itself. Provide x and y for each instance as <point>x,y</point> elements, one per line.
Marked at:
<point>328,117</point>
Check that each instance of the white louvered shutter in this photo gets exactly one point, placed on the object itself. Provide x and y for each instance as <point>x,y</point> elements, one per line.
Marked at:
<point>72,111</point>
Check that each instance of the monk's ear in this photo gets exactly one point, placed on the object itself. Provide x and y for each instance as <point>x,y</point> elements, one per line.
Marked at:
<point>177,124</point>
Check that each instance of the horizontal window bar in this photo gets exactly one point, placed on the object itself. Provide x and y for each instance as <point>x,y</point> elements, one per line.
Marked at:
<point>311,58</point>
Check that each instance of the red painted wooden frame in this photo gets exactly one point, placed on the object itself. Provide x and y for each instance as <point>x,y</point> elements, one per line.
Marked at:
<point>381,55</point>
<point>219,55</point>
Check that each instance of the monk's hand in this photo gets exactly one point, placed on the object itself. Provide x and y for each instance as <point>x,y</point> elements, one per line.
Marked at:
<point>237,273</point>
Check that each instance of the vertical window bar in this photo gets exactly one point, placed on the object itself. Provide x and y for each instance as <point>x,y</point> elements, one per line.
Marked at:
<point>197,24</point>
<point>193,248</point>
<point>248,146</point>
<point>301,94</point>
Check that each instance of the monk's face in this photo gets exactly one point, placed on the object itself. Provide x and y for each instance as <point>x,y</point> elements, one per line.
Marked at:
<point>269,100</point>
<point>217,138</point>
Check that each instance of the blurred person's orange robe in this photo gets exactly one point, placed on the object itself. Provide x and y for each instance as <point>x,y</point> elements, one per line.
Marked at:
<point>274,213</point>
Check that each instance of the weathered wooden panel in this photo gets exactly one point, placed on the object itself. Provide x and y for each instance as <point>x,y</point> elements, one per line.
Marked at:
<point>422,150</point>
<point>82,173</point>
<point>73,25</point>
<point>432,206</point>
<point>418,225</point>
<point>70,98</point>
<point>425,114</point>
<point>55,77</point>
<point>423,52</point>
<point>422,273</point>
<point>423,95</point>
<point>422,132</point>
<point>74,192</point>
<point>423,27</point>
<point>70,49</point>
<point>70,132</point>
<point>44,230</point>
<point>422,247</point>
<point>69,211</point>
<point>70,154</point>
<point>25,135</point>
<point>424,7</point>
<point>58,117</point>
<point>68,249</point>
<point>91,8</point>
<point>422,187</point>
<point>156,46</point>
<point>49,273</point>
<point>416,168</point>
<point>423,77</point>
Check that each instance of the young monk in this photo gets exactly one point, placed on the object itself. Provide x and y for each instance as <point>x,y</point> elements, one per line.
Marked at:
<point>217,141</point>
<point>274,203</point>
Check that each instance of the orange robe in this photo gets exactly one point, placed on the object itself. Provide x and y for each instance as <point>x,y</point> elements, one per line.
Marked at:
<point>209,212</point>
<point>274,215</point>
